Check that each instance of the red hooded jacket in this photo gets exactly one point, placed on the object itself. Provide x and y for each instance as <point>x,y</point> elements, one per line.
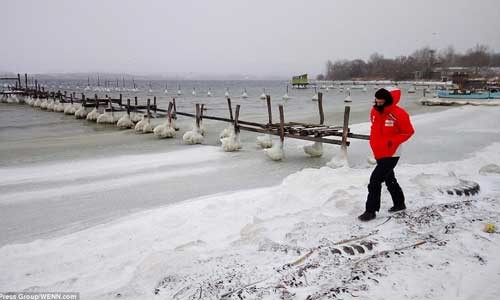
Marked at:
<point>390,128</point>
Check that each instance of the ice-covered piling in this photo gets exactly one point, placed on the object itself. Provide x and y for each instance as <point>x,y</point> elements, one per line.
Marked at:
<point>167,129</point>
<point>194,136</point>
<point>314,150</point>
<point>125,122</point>
<point>94,114</point>
<point>232,142</point>
<point>276,152</point>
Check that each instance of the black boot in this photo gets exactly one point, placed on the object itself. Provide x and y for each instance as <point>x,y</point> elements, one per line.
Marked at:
<point>396,208</point>
<point>398,198</point>
<point>367,216</point>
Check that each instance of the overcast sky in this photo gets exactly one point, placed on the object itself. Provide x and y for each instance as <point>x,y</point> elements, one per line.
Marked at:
<point>260,37</point>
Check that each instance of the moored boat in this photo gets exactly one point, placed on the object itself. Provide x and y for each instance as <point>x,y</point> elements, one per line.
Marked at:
<point>458,94</point>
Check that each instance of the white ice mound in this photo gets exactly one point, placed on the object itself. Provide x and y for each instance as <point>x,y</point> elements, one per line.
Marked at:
<point>148,128</point>
<point>125,122</point>
<point>231,143</point>
<point>135,117</point>
<point>29,100</point>
<point>50,105</point>
<point>59,107</point>
<point>81,113</point>
<point>165,130</point>
<point>275,152</point>
<point>193,137</point>
<point>106,118</point>
<point>143,125</point>
<point>226,132</point>
<point>44,104</point>
<point>71,109</point>
<point>264,141</point>
<point>314,150</point>
<point>37,102</point>
<point>490,169</point>
<point>93,115</point>
<point>339,160</point>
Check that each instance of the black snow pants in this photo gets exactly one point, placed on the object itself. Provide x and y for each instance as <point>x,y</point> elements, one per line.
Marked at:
<point>384,172</point>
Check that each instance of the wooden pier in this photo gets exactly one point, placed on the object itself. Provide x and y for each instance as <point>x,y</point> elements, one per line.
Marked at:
<point>318,132</point>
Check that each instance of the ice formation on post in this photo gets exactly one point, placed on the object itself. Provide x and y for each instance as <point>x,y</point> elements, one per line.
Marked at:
<point>276,151</point>
<point>264,141</point>
<point>314,150</point>
<point>165,130</point>
<point>339,160</point>
<point>232,142</point>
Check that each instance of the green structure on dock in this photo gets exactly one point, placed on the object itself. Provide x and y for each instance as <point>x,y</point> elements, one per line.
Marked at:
<point>300,81</point>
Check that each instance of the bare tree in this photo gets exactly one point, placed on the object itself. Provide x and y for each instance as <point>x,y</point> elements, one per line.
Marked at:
<point>422,61</point>
<point>477,57</point>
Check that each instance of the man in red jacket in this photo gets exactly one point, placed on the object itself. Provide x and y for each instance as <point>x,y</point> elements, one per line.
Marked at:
<point>391,126</point>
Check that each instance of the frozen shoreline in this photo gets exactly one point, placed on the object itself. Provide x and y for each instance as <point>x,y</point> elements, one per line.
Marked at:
<point>247,235</point>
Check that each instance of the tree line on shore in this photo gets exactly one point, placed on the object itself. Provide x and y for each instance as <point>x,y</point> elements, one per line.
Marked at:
<point>421,64</point>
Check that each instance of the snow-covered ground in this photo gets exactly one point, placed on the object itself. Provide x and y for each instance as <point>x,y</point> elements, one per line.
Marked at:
<point>299,239</point>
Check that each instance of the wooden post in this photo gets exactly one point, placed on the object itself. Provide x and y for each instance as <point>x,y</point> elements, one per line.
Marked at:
<point>282,124</point>
<point>148,107</point>
<point>268,99</point>
<point>236,117</point>
<point>71,99</point>
<point>197,115</point>
<point>96,101</point>
<point>201,111</point>
<point>154,103</point>
<point>121,98</point>
<point>19,80</point>
<point>83,100</point>
<point>128,107</point>
<point>175,109</point>
<point>230,108</point>
<point>345,128</point>
<point>26,81</point>
<point>135,99</point>
<point>320,107</point>
<point>65,93</point>
<point>169,112</point>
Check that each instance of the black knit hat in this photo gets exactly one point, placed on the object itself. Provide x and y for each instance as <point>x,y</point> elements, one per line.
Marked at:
<point>384,94</point>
